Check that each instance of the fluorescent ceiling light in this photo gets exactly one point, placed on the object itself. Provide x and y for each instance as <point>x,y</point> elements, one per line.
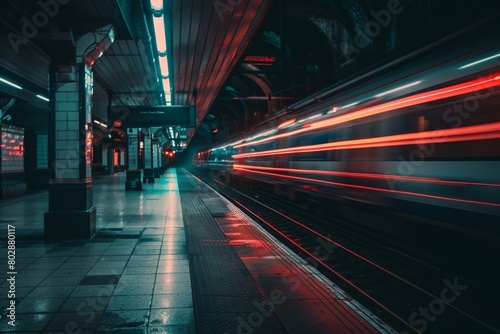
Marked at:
<point>166,86</point>
<point>161,46</point>
<point>164,66</point>
<point>42,97</point>
<point>161,42</point>
<point>157,4</point>
<point>10,83</point>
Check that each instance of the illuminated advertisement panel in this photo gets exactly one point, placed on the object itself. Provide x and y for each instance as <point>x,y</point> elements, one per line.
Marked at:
<point>12,149</point>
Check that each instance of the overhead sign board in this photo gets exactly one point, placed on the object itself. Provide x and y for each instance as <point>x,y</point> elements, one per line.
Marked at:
<point>154,116</point>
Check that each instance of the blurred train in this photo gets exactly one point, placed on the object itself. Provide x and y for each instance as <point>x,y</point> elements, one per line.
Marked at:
<point>419,136</point>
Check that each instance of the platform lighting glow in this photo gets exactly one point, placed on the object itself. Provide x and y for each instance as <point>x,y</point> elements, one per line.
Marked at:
<point>42,97</point>
<point>166,86</point>
<point>161,42</point>
<point>157,4</point>
<point>479,61</point>
<point>398,89</point>
<point>164,66</point>
<point>161,45</point>
<point>10,83</point>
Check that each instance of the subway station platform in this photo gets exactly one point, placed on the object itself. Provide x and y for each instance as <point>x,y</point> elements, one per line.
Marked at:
<point>175,257</point>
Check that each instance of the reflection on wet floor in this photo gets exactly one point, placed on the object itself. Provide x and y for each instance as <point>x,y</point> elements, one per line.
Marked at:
<point>132,277</point>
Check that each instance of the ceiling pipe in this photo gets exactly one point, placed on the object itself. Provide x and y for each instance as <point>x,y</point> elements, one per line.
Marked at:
<point>92,45</point>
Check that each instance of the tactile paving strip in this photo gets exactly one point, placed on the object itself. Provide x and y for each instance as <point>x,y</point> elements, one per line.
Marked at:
<point>225,295</point>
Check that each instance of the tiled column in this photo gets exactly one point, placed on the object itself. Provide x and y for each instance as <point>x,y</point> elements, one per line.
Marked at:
<point>107,158</point>
<point>133,149</point>
<point>156,164</point>
<point>134,173</point>
<point>148,156</point>
<point>71,211</point>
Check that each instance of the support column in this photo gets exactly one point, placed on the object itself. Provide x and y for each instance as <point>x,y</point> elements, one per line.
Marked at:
<point>71,211</point>
<point>156,163</point>
<point>149,175</point>
<point>107,158</point>
<point>134,173</point>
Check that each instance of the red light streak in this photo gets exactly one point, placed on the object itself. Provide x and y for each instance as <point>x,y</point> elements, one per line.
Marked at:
<point>366,175</point>
<point>332,270</point>
<point>430,96</point>
<point>469,133</point>
<point>340,184</point>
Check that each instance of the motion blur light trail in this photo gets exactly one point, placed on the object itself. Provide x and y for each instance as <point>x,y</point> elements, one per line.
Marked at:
<point>364,175</point>
<point>469,133</point>
<point>430,96</point>
<point>311,180</point>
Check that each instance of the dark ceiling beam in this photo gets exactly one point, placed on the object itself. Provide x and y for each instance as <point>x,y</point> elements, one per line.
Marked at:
<point>128,10</point>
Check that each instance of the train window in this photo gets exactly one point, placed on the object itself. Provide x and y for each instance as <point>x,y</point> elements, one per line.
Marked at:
<point>312,139</point>
<point>261,148</point>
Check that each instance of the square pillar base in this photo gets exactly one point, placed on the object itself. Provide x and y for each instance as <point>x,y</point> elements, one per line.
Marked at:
<point>149,176</point>
<point>133,179</point>
<point>60,225</point>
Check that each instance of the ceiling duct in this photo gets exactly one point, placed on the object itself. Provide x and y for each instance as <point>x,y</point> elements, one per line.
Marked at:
<point>97,42</point>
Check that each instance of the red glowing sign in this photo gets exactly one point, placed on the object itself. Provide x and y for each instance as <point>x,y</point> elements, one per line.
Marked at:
<point>117,123</point>
<point>260,60</point>
<point>12,148</point>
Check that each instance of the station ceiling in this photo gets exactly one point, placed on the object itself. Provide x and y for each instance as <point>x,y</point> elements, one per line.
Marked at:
<point>204,42</point>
